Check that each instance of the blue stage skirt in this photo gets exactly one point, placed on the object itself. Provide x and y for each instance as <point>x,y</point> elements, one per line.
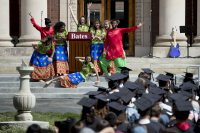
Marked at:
<point>43,68</point>
<point>76,78</point>
<point>96,51</point>
<point>60,59</point>
<point>60,53</point>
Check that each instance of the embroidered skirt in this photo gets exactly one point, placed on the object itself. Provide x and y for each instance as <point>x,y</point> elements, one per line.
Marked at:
<point>71,80</point>
<point>96,51</point>
<point>43,68</point>
<point>60,59</point>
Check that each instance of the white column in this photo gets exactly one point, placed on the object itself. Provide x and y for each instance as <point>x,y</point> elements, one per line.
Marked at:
<point>5,39</point>
<point>171,13</point>
<point>38,9</point>
<point>197,39</point>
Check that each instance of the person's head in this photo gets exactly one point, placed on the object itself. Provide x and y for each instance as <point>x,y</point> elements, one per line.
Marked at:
<point>106,24</point>
<point>82,20</point>
<point>59,27</point>
<point>34,128</point>
<point>48,40</point>
<point>88,58</point>
<point>97,24</point>
<point>66,125</point>
<point>143,82</point>
<point>156,111</point>
<point>47,22</point>
<point>174,33</point>
<point>111,118</point>
<point>77,127</point>
<point>115,23</point>
<point>101,124</point>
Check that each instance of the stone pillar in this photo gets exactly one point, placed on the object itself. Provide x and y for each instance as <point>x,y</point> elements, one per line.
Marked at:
<point>5,39</point>
<point>38,9</point>
<point>197,39</point>
<point>171,15</point>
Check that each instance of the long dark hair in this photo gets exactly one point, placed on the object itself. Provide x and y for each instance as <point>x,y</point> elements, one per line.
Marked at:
<point>94,27</point>
<point>58,25</point>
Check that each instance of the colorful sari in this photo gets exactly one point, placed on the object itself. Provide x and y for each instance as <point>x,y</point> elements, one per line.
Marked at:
<point>60,59</point>
<point>43,68</point>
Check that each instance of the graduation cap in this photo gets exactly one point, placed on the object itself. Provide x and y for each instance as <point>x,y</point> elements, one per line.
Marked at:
<point>125,96</point>
<point>152,97</point>
<point>188,75</point>
<point>163,77</point>
<point>178,97</point>
<point>156,90</point>
<point>183,106</point>
<point>125,70</point>
<point>92,94</point>
<point>117,106</point>
<point>172,76</point>
<point>102,98</point>
<point>133,86</point>
<point>188,86</point>
<point>114,96</point>
<point>116,76</point>
<point>101,88</point>
<point>87,102</point>
<point>147,70</point>
<point>143,103</point>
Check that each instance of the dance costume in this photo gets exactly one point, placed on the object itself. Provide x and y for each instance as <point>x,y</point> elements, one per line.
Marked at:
<point>83,28</point>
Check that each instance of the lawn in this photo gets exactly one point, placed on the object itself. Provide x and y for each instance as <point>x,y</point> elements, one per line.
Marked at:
<point>37,116</point>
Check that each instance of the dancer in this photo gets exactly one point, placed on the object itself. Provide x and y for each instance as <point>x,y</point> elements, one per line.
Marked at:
<point>43,67</point>
<point>113,46</point>
<point>44,31</point>
<point>108,67</point>
<point>82,25</point>
<point>73,79</point>
<point>60,58</point>
<point>96,49</point>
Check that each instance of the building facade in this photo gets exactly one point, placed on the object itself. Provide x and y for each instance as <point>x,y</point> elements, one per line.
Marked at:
<point>158,16</point>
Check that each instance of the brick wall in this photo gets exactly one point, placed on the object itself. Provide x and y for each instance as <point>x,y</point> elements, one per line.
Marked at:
<point>53,7</point>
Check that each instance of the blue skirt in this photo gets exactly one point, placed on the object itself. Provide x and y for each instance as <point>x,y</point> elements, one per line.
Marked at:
<point>60,53</point>
<point>40,60</point>
<point>43,68</point>
<point>96,51</point>
<point>76,78</point>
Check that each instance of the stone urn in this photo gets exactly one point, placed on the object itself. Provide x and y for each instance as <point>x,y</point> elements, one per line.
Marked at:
<point>24,101</point>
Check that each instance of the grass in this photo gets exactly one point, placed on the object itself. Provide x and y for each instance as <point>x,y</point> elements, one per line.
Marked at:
<point>37,116</point>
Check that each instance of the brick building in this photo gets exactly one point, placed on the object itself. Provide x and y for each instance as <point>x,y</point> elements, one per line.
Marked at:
<point>159,16</point>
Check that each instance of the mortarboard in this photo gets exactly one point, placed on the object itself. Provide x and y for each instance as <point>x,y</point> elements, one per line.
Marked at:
<point>143,103</point>
<point>163,77</point>
<point>125,96</point>
<point>147,70</point>
<point>125,68</point>
<point>156,90</point>
<point>87,102</point>
<point>116,76</point>
<point>183,106</point>
<point>171,75</point>
<point>101,88</point>
<point>152,97</point>
<point>102,97</point>
<point>92,94</point>
<point>117,106</point>
<point>178,97</point>
<point>185,93</point>
<point>133,86</point>
<point>188,86</point>
<point>189,75</point>
<point>114,96</point>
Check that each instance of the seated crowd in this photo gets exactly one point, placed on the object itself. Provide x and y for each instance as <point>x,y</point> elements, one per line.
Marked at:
<point>142,106</point>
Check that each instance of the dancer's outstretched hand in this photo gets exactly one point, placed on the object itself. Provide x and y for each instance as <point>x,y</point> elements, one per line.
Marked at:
<point>139,25</point>
<point>89,5</point>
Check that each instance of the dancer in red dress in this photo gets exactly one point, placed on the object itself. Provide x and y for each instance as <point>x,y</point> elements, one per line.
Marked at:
<point>44,31</point>
<point>113,46</point>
